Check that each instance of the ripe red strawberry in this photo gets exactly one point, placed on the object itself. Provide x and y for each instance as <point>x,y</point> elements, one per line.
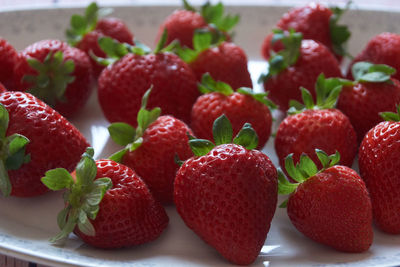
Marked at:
<point>224,61</point>
<point>383,48</point>
<point>319,126</point>
<point>8,60</point>
<point>316,22</point>
<point>38,139</point>
<point>56,73</point>
<point>121,85</point>
<point>227,193</point>
<point>182,24</point>
<point>2,88</point>
<point>299,64</point>
<point>86,30</point>
<point>331,206</point>
<point>151,148</point>
<point>372,92</point>
<point>379,167</point>
<point>106,204</point>
<point>240,107</point>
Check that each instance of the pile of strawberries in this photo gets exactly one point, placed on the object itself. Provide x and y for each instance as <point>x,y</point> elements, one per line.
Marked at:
<point>166,105</point>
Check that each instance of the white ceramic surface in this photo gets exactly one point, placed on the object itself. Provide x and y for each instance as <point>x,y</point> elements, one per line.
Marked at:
<point>26,224</point>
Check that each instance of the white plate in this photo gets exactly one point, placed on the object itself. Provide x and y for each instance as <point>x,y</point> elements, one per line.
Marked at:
<point>26,224</point>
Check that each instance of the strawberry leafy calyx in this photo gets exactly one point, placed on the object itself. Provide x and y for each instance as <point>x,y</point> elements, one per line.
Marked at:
<point>126,135</point>
<point>223,134</point>
<point>327,93</point>
<point>82,196</point>
<point>279,61</point>
<point>302,171</point>
<point>391,116</point>
<point>13,152</point>
<point>340,34</point>
<point>209,85</point>
<point>52,78</point>
<point>81,25</point>
<point>366,72</point>
<point>203,39</point>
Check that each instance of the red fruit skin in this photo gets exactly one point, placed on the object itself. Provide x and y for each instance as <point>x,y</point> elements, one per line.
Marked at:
<point>334,208</point>
<point>363,102</point>
<point>327,129</point>
<point>128,213</point>
<point>8,60</point>
<point>107,27</point>
<point>228,197</point>
<point>314,59</point>
<point>77,93</point>
<point>226,63</point>
<point>154,161</point>
<point>2,88</point>
<point>238,108</point>
<point>122,85</point>
<point>54,142</point>
<point>384,48</point>
<point>378,160</point>
<point>181,25</point>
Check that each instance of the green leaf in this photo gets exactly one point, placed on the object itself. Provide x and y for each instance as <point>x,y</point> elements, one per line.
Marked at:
<point>339,33</point>
<point>122,133</point>
<point>91,14</point>
<point>85,226</point>
<point>284,186</point>
<point>62,217</point>
<point>69,226</point>
<point>99,188</point>
<point>208,85</point>
<point>307,98</point>
<point>142,46</point>
<point>187,6</point>
<point>214,15</point>
<point>247,137</point>
<point>117,156</point>
<point>79,24</point>
<point>4,120</point>
<point>112,48</point>
<point>202,40</point>
<point>284,204</point>
<point>260,97</point>
<point>323,157</point>
<point>5,184</point>
<point>389,116</point>
<point>57,179</point>
<point>368,72</point>
<point>162,41</point>
<point>86,169</point>
<point>334,159</point>
<point>307,165</point>
<point>292,170</point>
<point>222,130</point>
<point>16,143</point>
<point>147,117</point>
<point>133,146</point>
<point>200,147</point>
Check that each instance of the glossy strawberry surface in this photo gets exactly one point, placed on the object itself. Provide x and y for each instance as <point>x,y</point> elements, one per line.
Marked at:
<point>226,62</point>
<point>8,60</point>
<point>314,59</point>
<point>77,92</point>
<point>54,142</point>
<point>154,161</point>
<point>181,25</point>
<point>363,102</point>
<point>228,197</point>
<point>238,108</point>
<point>111,27</point>
<point>128,214</point>
<point>122,85</point>
<point>333,208</point>
<point>378,161</point>
<point>383,48</point>
<point>328,130</point>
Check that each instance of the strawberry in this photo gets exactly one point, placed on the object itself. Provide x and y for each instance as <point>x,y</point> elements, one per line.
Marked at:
<point>2,88</point>
<point>121,85</point>
<point>8,60</point>
<point>224,61</point>
<point>106,204</point>
<point>182,24</point>
<point>299,64</point>
<point>35,139</point>
<point>383,48</point>
<point>151,148</point>
<point>316,22</point>
<point>379,165</point>
<point>227,193</point>
<point>320,126</point>
<point>372,92</point>
<point>56,73</point>
<point>240,107</point>
<point>85,31</point>
<point>331,205</point>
